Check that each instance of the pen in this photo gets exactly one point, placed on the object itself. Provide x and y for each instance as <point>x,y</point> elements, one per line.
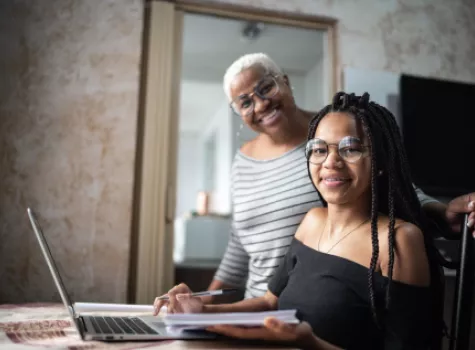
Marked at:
<point>207,293</point>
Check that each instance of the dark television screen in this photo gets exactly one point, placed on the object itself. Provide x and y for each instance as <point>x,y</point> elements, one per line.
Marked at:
<point>438,126</point>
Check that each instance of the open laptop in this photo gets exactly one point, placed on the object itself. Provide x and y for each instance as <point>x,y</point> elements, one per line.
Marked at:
<point>110,328</point>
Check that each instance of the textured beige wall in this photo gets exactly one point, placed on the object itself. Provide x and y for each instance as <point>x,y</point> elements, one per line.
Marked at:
<point>68,113</point>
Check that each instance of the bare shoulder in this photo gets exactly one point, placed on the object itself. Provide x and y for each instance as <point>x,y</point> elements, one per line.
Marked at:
<point>312,220</point>
<point>411,265</point>
<point>408,235</point>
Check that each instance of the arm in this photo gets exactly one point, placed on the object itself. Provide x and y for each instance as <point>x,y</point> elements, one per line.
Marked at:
<point>435,210</point>
<point>215,285</point>
<point>232,272</point>
<point>267,302</point>
<point>448,214</point>
<point>233,269</point>
<point>410,265</point>
<point>409,318</point>
<point>280,278</point>
<point>181,301</point>
<point>425,199</point>
<point>431,206</point>
<point>274,330</point>
<point>461,205</point>
<point>186,303</point>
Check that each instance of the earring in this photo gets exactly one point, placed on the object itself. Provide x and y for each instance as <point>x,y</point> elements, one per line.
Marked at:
<point>239,131</point>
<point>380,173</point>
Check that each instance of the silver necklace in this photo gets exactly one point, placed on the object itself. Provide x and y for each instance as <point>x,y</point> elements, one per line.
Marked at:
<point>343,237</point>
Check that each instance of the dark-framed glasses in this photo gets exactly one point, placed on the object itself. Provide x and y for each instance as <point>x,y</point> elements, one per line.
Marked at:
<point>350,149</point>
<point>265,89</point>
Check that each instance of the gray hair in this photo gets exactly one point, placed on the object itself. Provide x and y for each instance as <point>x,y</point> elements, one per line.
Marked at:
<point>260,60</point>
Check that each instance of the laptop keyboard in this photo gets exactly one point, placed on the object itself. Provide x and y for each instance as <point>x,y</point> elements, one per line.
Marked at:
<point>120,325</point>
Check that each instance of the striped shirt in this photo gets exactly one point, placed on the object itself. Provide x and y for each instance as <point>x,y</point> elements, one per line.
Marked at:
<point>270,198</point>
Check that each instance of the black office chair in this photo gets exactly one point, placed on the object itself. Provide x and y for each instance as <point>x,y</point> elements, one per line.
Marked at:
<point>459,335</point>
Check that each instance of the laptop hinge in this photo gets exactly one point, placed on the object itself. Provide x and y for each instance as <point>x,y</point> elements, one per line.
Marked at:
<point>81,324</point>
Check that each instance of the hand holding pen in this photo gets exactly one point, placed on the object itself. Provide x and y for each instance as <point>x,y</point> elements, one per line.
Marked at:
<point>205,293</point>
<point>181,299</point>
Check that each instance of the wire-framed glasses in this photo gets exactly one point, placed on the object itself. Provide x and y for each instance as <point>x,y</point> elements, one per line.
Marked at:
<point>350,149</point>
<point>267,88</point>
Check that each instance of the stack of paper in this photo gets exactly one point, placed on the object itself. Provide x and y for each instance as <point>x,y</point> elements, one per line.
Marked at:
<point>83,308</point>
<point>242,319</point>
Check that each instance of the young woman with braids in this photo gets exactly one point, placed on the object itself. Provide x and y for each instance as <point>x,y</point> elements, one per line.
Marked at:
<point>360,270</point>
<point>269,189</point>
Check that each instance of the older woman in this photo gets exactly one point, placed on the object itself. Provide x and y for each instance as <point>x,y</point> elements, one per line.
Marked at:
<point>271,192</point>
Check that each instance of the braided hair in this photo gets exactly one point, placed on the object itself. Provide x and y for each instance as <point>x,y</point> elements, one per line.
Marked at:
<point>392,190</point>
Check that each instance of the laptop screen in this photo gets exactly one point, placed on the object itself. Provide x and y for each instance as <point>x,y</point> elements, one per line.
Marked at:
<point>50,261</point>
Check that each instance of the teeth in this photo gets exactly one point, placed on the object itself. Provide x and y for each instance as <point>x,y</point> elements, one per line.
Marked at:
<point>334,179</point>
<point>270,115</point>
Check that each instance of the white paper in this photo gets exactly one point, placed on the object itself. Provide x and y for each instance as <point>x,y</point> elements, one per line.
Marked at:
<point>103,307</point>
<point>243,319</point>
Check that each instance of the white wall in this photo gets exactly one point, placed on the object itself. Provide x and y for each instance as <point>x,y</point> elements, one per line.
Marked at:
<point>381,86</point>
<point>297,83</point>
<point>220,124</point>
<point>195,117</point>
<point>315,87</point>
<point>189,181</point>
<point>196,103</point>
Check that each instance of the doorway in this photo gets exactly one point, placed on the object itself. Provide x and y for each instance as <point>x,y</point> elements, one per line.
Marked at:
<point>190,134</point>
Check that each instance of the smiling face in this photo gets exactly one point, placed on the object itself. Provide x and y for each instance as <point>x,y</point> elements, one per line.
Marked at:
<point>269,115</point>
<point>338,180</point>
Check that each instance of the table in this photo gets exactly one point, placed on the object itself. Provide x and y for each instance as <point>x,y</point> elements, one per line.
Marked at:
<point>41,326</point>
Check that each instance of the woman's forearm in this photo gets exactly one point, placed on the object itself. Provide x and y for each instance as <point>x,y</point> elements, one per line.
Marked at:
<point>246,305</point>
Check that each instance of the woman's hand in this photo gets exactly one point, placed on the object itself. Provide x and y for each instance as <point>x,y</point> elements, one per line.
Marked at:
<point>273,330</point>
<point>179,301</point>
<point>458,206</point>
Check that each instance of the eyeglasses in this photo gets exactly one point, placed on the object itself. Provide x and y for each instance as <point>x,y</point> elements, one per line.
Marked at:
<point>267,88</point>
<point>350,149</point>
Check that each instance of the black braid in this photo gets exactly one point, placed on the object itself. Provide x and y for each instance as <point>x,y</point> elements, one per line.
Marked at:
<point>392,179</point>
<point>392,192</point>
<point>374,219</point>
<point>415,215</point>
<point>311,132</point>
<point>403,179</point>
<point>412,212</point>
